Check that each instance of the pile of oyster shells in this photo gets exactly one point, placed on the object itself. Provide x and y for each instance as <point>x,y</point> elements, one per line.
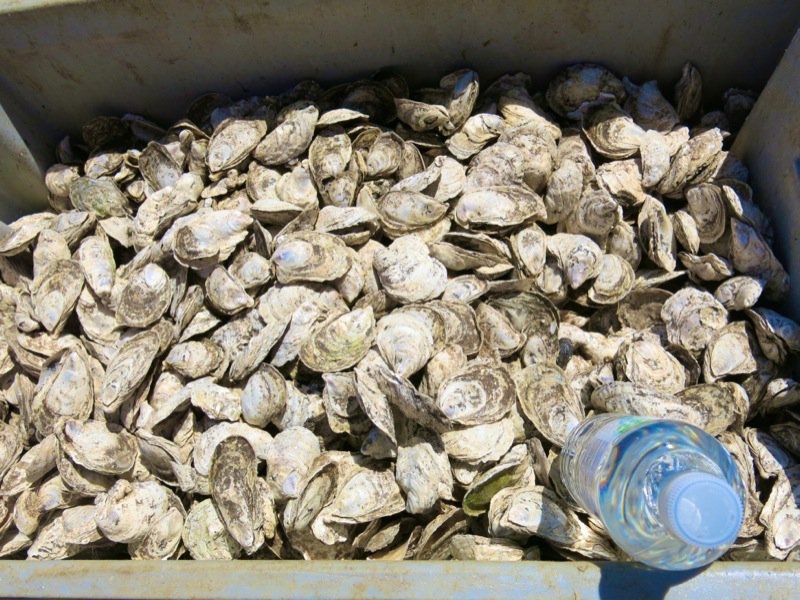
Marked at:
<point>359,322</point>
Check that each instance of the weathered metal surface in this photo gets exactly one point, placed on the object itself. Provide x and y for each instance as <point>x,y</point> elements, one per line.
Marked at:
<point>769,144</point>
<point>324,579</point>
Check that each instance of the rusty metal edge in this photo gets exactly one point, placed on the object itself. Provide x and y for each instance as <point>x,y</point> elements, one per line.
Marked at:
<point>372,579</point>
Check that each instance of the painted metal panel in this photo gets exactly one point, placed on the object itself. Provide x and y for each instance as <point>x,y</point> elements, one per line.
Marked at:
<point>409,580</point>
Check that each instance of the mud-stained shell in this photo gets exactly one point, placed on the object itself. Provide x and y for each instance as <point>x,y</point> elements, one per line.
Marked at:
<point>310,256</point>
<point>578,257</point>
<point>97,446</point>
<point>340,343</point>
<point>579,83</point>
<point>128,368</point>
<point>498,207</point>
<point>126,512</point>
<point>232,479</point>
<point>291,137</point>
<point>65,389</point>
<point>100,196</point>
<point>656,234</point>
<point>614,281</point>
<point>145,298</point>
<point>479,393</point>
<point>56,293</point>
<point>731,351</point>
<point>407,271</point>
<point>204,447</point>
<point>205,535</point>
<point>691,317</point>
<point>289,458</point>
<point>232,142</point>
<point>547,399</point>
<point>225,293</point>
<point>611,131</point>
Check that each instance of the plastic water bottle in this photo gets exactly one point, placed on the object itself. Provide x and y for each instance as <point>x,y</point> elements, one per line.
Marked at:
<point>668,493</point>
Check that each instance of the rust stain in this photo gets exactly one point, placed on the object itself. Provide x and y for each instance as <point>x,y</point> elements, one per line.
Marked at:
<point>663,43</point>
<point>242,22</point>
<point>64,72</point>
<point>131,68</point>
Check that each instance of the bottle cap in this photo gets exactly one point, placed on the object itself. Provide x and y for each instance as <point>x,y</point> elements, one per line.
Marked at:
<point>701,509</point>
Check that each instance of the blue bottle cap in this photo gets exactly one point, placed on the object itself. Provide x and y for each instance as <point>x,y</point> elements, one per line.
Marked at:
<point>701,509</point>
